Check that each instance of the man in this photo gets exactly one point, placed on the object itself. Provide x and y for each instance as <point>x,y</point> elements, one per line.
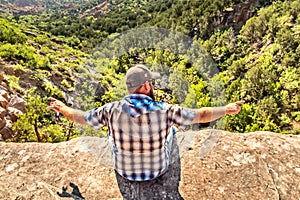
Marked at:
<point>140,132</point>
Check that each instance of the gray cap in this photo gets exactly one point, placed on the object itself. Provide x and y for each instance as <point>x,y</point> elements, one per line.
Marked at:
<point>138,75</point>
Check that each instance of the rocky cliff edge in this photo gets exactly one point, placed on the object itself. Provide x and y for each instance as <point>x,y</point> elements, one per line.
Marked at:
<point>214,165</point>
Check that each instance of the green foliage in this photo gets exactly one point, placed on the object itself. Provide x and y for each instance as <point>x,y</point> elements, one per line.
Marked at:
<point>13,83</point>
<point>259,64</point>
<point>245,122</point>
<point>52,90</point>
<point>67,85</point>
<point>89,131</point>
<point>53,133</point>
<point>25,55</point>
<point>10,34</point>
<point>296,115</point>
<point>86,32</point>
<point>193,18</point>
<point>116,93</point>
<point>266,73</point>
<point>197,96</point>
<point>29,124</point>
<point>221,45</point>
<point>40,75</point>
<point>38,124</point>
<point>179,86</point>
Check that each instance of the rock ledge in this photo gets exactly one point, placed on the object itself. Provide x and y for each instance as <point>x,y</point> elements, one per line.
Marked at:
<point>214,165</point>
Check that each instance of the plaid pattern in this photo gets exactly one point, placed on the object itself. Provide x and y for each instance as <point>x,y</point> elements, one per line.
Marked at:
<point>140,132</point>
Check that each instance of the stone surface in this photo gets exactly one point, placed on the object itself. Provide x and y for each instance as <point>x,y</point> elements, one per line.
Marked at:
<point>1,77</point>
<point>259,165</point>
<point>214,165</point>
<point>13,113</point>
<point>17,102</point>
<point>2,125</point>
<point>3,102</point>
<point>2,113</point>
<point>6,132</point>
<point>4,93</point>
<point>9,110</point>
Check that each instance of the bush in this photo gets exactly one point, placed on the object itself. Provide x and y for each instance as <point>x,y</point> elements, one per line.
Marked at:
<point>25,55</point>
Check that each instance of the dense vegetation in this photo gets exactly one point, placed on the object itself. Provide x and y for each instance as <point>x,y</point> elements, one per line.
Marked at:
<point>58,55</point>
<point>261,66</point>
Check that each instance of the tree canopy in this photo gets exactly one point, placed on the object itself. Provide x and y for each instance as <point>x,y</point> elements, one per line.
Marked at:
<point>60,55</point>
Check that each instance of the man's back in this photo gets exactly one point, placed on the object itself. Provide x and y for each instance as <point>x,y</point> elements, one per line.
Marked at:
<point>140,132</point>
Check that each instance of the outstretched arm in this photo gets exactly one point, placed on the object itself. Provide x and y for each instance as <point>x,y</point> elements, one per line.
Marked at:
<point>208,114</point>
<point>70,113</point>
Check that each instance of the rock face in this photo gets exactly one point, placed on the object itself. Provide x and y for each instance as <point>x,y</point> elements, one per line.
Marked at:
<point>10,107</point>
<point>236,16</point>
<point>214,165</point>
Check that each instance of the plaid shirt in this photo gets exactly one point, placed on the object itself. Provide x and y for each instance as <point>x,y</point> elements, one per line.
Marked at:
<point>140,133</point>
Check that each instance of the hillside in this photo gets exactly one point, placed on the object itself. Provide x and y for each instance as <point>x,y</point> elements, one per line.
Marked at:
<point>79,8</point>
<point>23,7</point>
<point>217,165</point>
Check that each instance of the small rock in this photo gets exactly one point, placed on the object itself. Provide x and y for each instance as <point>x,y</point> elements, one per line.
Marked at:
<point>2,123</point>
<point>17,102</point>
<point>13,113</point>
<point>236,164</point>
<point>3,102</point>
<point>11,167</point>
<point>7,132</point>
<point>2,113</point>
<point>21,152</point>
<point>1,77</point>
<point>4,93</point>
<point>9,124</point>
<point>263,156</point>
<point>221,189</point>
<point>25,158</point>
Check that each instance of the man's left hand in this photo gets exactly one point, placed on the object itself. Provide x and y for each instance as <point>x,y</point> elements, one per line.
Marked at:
<point>234,108</point>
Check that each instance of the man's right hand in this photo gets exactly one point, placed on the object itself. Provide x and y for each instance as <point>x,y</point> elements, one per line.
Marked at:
<point>70,113</point>
<point>56,105</point>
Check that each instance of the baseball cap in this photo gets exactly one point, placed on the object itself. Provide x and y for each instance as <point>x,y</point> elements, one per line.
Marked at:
<point>138,75</point>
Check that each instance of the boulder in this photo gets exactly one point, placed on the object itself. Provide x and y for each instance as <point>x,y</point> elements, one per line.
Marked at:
<point>7,132</point>
<point>17,102</point>
<point>2,113</point>
<point>1,77</point>
<point>4,94</point>
<point>2,124</point>
<point>214,165</point>
<point>3,102</point>
<point>13,113</point>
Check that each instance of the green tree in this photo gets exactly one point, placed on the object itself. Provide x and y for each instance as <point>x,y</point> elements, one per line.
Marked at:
<point>197,96</point>
<point>10,33</point>
<point>30,123</point>
<point>38,124</point>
